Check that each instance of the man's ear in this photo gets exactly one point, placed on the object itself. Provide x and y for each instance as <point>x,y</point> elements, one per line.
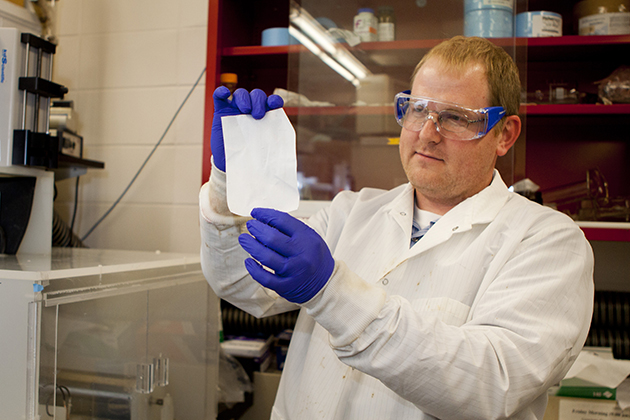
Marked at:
<point>510,132</point>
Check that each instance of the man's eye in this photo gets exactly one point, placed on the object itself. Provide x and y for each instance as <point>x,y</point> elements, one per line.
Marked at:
<point>419,106</point>
<point>454,117</point>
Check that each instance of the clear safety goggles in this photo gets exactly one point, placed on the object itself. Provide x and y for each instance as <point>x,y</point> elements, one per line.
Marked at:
<point>451,120</point>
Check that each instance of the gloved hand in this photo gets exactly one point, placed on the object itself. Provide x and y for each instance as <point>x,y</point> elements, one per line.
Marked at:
<point>242,102</point>
<point>299,256</point>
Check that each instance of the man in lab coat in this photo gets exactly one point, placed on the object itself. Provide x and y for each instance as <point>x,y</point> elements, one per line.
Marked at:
<point>447,297</point>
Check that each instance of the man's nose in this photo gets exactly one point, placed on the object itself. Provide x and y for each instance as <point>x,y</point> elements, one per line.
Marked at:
<point>430,132</point>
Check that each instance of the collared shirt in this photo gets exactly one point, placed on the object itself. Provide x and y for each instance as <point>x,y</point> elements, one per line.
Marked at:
<point>475,321</point>
<point>422,221</point>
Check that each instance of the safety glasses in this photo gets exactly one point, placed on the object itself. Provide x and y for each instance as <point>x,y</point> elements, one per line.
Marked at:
<point>451,120</point>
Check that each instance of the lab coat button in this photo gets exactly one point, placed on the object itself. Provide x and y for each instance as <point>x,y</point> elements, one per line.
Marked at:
<point>385,281</point>
<point>455,228</point>
<point>402,213</point>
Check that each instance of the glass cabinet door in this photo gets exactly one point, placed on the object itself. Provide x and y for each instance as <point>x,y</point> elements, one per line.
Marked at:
<point>137,355</point>
<point>342,82</point>
<point>105,334</point>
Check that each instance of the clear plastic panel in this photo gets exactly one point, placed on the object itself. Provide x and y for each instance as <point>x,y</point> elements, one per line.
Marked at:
<point>81,329</point>
<point>107,349</point>
<point>344,118</point>
<point>47,401</point>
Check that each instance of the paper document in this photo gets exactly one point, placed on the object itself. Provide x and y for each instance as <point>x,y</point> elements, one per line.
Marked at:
<point>591,367</point>
<point>260,162</point>
<point>599,369</point>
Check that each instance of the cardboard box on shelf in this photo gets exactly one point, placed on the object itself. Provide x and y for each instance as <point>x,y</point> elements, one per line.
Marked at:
<point>379,89</point>
<point>569,408</point>
<point>253,353</point>
<point>265,388</point>
<point>583,389</point>
<point>598,376</point>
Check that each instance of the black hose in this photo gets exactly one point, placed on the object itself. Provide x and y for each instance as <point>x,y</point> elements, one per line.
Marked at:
<point>62,235</point>
<point>237,322</point>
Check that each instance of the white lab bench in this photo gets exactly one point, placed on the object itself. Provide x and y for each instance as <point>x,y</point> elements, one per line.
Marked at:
<point>117,334</point>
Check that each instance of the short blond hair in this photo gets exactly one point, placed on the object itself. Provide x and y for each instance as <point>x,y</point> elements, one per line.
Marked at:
<point>460,52</point>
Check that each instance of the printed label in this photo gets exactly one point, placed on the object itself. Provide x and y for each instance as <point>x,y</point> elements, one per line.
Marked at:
<point>4,64</point>
<point>546,26</point>
<point>365,27</point>
<point>605,24</point>
<point>570,409</point>
<point>386,31</point>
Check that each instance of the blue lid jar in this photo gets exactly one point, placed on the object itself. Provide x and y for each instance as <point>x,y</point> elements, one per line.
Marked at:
<point>470,5</point>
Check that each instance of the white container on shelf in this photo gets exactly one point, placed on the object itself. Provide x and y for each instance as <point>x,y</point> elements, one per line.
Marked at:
<point>602,17</point>
<point>605,24</point>
<point>386,24</point>
<point>538,24</point>
<point>365,25</point>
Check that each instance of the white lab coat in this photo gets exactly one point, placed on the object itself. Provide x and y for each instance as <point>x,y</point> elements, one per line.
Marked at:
<point>475,321</point>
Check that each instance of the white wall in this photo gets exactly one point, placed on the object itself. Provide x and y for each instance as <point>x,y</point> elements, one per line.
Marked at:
<point>128,65</point>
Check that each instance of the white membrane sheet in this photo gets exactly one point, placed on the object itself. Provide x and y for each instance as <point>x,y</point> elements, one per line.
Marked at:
<point>260,162</point>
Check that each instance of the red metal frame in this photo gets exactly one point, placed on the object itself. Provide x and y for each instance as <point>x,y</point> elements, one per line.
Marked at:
<point>607,234</point>
<point>212,63</point>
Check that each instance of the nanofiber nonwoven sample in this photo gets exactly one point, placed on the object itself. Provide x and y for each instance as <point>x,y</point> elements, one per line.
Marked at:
<point>260,162</point>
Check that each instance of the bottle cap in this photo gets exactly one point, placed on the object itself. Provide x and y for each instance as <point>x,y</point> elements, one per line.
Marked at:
<point>366,9</point>
<point>229,78</point>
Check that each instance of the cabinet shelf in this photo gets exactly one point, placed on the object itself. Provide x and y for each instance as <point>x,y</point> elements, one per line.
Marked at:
<point>260,50</point>
<point>574,40</point>
<point>340,110</point>
<point>606,231</point>
<point>286,49</point>
<point>576,109</point>
<point>563,41</point>
<point>365,46</point>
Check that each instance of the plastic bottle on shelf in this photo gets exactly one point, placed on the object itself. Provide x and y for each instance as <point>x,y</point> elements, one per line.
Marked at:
<point>229,80</point>
<point>386,24</point>
<point>365,25</point>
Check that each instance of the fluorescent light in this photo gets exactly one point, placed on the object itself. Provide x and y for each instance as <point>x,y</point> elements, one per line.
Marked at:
<point>316,33</point>
<point>352,64</point>
<point>304,40</point>
<point>340,69</point>
<point>314,37</point>
<point>312,47</point>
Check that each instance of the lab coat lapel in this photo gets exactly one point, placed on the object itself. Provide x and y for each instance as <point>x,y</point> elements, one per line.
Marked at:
<point>401,210</point>
<point>481,208</point>
<point>399,216</point>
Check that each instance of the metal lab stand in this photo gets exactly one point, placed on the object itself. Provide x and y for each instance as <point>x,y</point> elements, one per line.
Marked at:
<point>107,334</point>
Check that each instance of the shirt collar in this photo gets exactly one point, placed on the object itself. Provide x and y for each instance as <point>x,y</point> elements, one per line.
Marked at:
<point>480,208</point>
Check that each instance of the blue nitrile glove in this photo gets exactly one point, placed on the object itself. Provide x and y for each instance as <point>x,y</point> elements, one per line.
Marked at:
<point>242,102</point>
<point>299,256</point>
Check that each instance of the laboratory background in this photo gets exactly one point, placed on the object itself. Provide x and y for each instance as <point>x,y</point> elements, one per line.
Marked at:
<point>111,316</point>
